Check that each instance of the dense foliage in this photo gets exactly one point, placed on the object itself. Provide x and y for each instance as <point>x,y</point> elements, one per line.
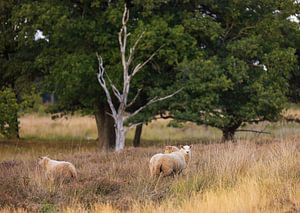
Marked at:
<point>8,116</point>
<point>234,60</point>
<point>242,70</point>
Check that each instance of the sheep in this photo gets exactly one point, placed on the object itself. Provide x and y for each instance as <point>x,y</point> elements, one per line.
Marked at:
<point>170,149</point>
<point>170,163</point>
<point>57,170</point>
<point>187,157</point>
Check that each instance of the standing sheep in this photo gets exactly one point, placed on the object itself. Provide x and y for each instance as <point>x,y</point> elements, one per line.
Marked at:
<point>170,149</point>
<point>57,170</point>
<point>170,163</point>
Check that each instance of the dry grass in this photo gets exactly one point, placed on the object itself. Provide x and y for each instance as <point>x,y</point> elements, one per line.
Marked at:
<point>77,127</point>
<point>293,110</point>
<point>83,128</point>
<point>258,174</point>
<point>243,177</point>
<point>70,128</point>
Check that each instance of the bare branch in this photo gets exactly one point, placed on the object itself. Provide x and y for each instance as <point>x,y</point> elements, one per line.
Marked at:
<point>250,130</point>
<point>165,116</point>
<point>123,37</point>
<point>152,101</point>
<point>140,66</point>
<point>134,99</point>
<point>291,118</point>
<point>125,17</point>
<point>122,46</point>
<point>132,50</point>
<point>110,114</point>
<point>103,85</point>
<point>114,89</point>
<point>132,125</point>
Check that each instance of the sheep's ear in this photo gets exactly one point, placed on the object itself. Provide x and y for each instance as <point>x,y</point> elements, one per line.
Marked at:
<point>40,157</point>
<point>180,146</point>
<point>191,145</point>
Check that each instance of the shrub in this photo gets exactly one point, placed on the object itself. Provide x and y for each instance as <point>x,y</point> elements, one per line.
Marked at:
<point>8,113</point>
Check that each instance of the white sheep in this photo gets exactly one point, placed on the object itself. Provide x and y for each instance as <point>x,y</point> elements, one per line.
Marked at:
<point>57,170</point>
<point>170,163</point>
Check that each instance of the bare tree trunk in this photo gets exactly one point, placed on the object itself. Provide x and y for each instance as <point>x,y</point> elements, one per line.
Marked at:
<point>118,111</point>
<point>137,135</point>
<point>120,134</point>
<point>105,129</point>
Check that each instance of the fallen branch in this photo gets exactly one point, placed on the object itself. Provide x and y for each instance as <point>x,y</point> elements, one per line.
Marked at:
<point>290,118</point>
<point>250,130</point>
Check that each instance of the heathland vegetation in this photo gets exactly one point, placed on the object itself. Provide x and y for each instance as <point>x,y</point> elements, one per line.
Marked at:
<point>259,173</point>
<point>82,79</point>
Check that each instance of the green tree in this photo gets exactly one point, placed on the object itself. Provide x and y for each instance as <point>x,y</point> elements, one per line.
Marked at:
<point>241,72</point>
<point>232,57</point>
<point>16,68</point>
<point>293,38</point>
<point>74,31</point>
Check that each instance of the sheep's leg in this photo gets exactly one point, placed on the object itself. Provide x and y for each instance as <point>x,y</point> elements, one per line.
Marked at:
<point>152,169</point>
<point>155,188</point>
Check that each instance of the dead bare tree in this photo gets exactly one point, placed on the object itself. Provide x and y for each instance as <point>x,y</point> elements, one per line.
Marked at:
<point>119,113</point>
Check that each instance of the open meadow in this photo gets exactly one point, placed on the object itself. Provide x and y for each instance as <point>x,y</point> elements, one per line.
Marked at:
<point>259,173</point>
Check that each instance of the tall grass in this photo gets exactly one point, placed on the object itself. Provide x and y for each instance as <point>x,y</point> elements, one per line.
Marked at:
<point>83,128</point>
<point>243,177</point>
<point>34,126</point>
<point>260,173</point>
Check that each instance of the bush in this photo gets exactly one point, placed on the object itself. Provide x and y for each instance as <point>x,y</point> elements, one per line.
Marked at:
<point>9,107</point>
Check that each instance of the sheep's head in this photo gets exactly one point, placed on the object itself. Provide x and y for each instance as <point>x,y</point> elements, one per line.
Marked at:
<point>170,149</point>
<point>43,161</point>
<point>187,150</point>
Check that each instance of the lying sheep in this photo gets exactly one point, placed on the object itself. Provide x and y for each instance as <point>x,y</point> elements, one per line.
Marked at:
<point>57,170</point>
<point>170,163</point>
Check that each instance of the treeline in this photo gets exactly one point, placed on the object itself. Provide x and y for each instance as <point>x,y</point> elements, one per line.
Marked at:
<point>235,61</point>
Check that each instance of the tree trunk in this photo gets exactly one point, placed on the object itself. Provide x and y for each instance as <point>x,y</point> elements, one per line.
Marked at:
<point>120,134</point>
<point>229,132</point>
<point>17,127</point>
<point>105,129</point>
<point>137,135</point>
<point>228,135</point>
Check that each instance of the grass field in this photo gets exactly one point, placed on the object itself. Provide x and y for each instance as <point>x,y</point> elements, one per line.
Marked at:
<point>260,173</point>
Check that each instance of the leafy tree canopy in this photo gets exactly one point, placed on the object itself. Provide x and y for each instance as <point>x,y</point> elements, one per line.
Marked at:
<point>233,58</point>
<point>241,72</point>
